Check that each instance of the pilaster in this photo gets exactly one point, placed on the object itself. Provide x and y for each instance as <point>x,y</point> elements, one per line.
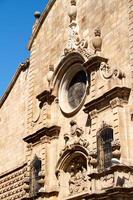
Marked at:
<point>130,12</point>
<point>31,82</point>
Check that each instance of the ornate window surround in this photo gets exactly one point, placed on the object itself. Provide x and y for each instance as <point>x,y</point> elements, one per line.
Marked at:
<point>69,165</point>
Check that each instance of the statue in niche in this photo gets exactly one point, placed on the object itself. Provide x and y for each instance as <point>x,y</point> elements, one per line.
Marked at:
<point>78,178</point>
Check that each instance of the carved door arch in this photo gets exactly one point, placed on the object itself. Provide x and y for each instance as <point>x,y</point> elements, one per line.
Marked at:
<point>72,171</point>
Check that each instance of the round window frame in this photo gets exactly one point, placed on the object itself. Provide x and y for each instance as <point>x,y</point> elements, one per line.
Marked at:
<point>64,86</point>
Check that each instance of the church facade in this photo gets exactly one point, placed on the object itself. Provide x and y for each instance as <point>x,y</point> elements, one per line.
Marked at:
<point>66,119</point>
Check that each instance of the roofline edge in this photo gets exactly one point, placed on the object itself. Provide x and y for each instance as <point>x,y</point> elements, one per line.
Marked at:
<point>38,26</point>
<point>22,67</point>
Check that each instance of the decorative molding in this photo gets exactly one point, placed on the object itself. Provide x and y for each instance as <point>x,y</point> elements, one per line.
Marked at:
<point>116,102</point>
<point>107,72</point>
<point>116,153</point>
<point>42,133</point>
<point>93,114</point>
<point>93,153</point>
<point>45,96</point>
<point>121,93</point>
<point>94,62</point>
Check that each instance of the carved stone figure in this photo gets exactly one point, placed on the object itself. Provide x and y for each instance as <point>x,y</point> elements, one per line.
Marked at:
<point>75,137</point>
<point>78,179</point>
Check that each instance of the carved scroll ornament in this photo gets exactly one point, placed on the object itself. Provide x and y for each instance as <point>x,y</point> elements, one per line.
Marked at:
<point>107,72</point>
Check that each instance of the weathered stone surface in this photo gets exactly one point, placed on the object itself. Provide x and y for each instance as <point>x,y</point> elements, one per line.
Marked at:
<point>46,122</point>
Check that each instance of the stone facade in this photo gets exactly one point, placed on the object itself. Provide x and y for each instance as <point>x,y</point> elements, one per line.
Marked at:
<point>66,119</point>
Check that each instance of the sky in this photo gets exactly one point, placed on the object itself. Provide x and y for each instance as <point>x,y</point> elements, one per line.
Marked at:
<point>16,21</point>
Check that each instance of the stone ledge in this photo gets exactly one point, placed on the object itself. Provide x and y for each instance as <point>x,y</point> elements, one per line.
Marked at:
<point>121,92</point>
<point>48,132</point>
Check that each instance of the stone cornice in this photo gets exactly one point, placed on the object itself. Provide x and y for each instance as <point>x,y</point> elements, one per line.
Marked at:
<point>111,170</point>
<point>45,96</point>
<point>41,20</point>
<point>50,132</point>
<point>22,67</point>
<point>121,92</point>
<point>94,62</point>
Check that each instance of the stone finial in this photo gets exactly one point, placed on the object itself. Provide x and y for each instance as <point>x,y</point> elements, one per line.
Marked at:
<point>97,32</point>
<point>37,15</point>
<point>72,11</point>
<point>97,40</point>
<point>73,2</point>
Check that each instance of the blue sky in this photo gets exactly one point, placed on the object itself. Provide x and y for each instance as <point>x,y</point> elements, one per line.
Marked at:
<point>16,21</point>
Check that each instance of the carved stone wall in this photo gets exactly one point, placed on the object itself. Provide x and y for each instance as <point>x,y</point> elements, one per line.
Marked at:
<point>12,184</point>
<point>77,85</point>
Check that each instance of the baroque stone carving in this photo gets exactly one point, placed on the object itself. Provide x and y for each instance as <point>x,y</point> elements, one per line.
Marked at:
<point>93,114</point>
<point>107,72</point>
<point>76,137</point>
<point>74,42</point>
<point>78,178</point>
<point>116,102</point>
